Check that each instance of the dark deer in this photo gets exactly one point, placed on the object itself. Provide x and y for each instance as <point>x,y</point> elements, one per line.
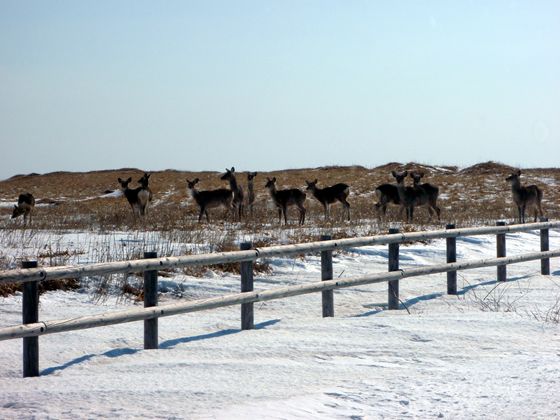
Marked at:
<point>25,206</point>
<point>285,198</point>
<point>137,197</point>
<point>415,196</point>
<point>251,191</point>
<point>387,194</point>
<point>431,193</point>
<point>145,195</point>
<point>238,194</point>
<point>210,198</point>
<point>525,196</point>
<point>328,195</point>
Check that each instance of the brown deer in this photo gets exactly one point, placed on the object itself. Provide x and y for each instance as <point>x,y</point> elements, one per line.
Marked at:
<point>145,195</point>
<point>431,194</point>
<point>251,191</point>
<point>328,195</point>
<point>238,194</point>
<point>210,198</point>
<point>25,206</point>
<point>137,197</point>
<point>285,198</point>
<point>525,196</point>
<point>415,196</point>
<point>387,194</point>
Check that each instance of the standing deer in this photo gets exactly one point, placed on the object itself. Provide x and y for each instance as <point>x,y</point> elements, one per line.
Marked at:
<point>387,194</point>
<point>238,194</point>
<point>328,195</point>
<point>431,193</point>
<point>145,195</point>
<point>25,206</point>
<point>415,196</point>
<point>251,192</point>
<point>285,198</point>
<point>210,198</point>
<point>137,197</point>
<point>525,196</point>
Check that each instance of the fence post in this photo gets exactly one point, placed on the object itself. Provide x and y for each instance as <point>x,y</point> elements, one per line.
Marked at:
<point>30,315</point>
<point>545,262</point>
<point>247,313</point>
<point>327,274</point>
<point>501,252</point>
<point>451,258</point>
<point>393,300</point>
<point>150,299</point>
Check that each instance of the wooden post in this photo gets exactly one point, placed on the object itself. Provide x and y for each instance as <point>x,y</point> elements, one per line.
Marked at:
<point>327,274</point>
<point>545,262</point>
<point>247,313</point>
<point>30,315</point>
<point>393,300</point>
<point>501,252</point>
<point>150,299</point>
<point>451,258</point>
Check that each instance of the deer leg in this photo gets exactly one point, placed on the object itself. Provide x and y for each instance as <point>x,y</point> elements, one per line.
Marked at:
<point>302,215</point>
<point>285,210</point>
<point>438,212</point>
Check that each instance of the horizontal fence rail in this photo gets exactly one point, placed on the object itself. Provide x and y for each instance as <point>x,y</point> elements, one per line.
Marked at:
<point>31,276</point>
<point>133,266</point>
<point>139,314</point>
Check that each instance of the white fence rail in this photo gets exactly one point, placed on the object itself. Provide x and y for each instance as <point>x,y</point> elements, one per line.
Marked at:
<point>31,276</point>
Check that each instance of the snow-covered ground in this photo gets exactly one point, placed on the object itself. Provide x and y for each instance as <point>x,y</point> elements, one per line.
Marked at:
<point>492,351</point>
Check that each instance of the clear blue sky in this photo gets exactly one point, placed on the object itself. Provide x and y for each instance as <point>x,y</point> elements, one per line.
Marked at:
<point>262,85</point>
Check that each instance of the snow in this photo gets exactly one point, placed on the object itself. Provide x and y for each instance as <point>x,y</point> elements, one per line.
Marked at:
<point>492,351</point>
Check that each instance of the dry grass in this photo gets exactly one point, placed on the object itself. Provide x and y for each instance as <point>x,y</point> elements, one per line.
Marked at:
<point>478,195</point>
<point>475,195</point>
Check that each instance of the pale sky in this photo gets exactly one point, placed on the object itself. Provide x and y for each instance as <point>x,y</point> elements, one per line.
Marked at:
<point>266,85</point>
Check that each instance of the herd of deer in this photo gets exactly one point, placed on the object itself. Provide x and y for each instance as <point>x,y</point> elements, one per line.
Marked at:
<point>233,199</point>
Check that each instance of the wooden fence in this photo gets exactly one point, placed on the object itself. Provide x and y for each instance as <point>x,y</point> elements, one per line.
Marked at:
<point>31,275</point>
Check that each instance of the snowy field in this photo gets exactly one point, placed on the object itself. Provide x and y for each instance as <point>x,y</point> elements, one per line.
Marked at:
<point>492,351</point>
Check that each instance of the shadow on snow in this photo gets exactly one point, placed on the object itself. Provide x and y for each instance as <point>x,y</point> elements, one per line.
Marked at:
<point>164,345</point>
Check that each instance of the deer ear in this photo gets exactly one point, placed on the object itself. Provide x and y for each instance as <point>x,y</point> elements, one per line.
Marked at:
<point>129,179</point>
<point>232,169</point>
<point>316,180</point>
<point>405,173</point>
<point>120,180</point>
<point>519,172</point>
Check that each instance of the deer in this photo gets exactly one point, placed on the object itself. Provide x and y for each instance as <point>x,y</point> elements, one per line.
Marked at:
<point>145,195</point>
<point>137,197</point>
<point>25,206</point>
<point>250,190</point>
<point>415,196</point>
<point>328,195</point>
<point>285,198</point>
<point>525,196</point>
<point>210,198</point>
<point>431,196</point>
<point>387,194</point>
<point>238,194</point>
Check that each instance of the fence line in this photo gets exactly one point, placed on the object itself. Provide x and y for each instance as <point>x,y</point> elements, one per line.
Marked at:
<point>139,314</point>
<point>32,327</point>
<point>132,266</point>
